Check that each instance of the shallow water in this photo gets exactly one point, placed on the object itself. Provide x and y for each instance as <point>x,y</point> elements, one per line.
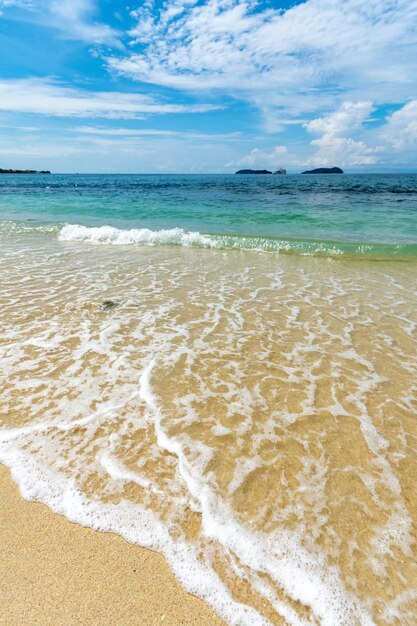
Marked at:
<point>250,415</point>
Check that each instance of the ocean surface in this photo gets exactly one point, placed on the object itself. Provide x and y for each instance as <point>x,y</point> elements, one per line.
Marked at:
<point>222,368</point>
<point>332,215</point>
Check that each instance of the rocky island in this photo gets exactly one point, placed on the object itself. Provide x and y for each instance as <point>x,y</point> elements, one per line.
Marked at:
<point>24,171</point>
<point>280,170</point>
<point>324,170</point>
<point>253,172</point>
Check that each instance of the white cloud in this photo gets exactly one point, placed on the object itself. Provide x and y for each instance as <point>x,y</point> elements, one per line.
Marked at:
<point>258,157</point>
<point>349,117</point>
<point>74,19</point>
<point>122,132</point>
<point>298,59</point>
<point>45,97</point>
<point>15,3</point>
<point>336,149</point>
<point>401,127</point>
<point>319,55</point>
<point>343,151</point>
<point>143,132</point>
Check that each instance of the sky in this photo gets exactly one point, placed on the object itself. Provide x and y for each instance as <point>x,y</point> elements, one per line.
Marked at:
<point>208,85</point>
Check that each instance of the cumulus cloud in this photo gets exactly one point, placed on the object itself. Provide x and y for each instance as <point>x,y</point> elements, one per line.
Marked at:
<point>348,118</point>
<point>343,151</point>
<point>333,146</point>
<point>401,127</point>
<point>46,97</point>
<point>301,57</point>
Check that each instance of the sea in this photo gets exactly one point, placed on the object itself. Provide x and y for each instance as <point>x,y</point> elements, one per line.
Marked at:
<point>223,369</point>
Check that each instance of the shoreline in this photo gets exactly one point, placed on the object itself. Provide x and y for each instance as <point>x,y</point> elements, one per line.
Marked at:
<point>260,408</point>
<point>56,572</point>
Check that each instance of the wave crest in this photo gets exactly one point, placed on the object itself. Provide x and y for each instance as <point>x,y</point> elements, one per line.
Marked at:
<point>180,237</point>
<point>142,236</point>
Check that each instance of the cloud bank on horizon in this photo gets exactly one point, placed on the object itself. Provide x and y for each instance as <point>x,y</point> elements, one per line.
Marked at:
<point>208,85</point>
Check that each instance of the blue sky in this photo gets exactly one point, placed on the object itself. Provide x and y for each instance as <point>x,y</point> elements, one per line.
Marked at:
<point>208,85</point>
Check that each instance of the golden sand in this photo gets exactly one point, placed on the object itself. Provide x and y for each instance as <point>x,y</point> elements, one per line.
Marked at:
<point>250,416</point>
<point>56,572</point>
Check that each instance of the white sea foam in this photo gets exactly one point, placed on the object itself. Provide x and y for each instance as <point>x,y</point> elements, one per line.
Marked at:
<point>222,394</point>
<point>140,236</point>
<point>186,239</point>
<point>305,577</point>
<point>133,522</point>
<point>256,243</point>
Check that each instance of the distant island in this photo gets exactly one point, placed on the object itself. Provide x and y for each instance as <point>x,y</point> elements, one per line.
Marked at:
<point>24,171</point>
<point>324,170</point>
<point>280,170</point>
<point>253,172</point>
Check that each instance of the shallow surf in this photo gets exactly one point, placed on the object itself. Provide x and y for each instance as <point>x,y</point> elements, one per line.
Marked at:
<point>251,416</point>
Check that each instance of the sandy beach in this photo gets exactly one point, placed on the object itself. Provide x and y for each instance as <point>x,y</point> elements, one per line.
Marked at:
<point>239,413</point>
<point>56,572</point>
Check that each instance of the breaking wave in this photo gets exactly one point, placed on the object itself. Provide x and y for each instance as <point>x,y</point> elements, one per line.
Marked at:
<point>181,237</point>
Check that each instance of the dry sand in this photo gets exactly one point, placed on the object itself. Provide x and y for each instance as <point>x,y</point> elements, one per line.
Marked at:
<point>59,573</point>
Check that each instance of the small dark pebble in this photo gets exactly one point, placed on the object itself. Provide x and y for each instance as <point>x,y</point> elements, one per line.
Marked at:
<point>108,305</point>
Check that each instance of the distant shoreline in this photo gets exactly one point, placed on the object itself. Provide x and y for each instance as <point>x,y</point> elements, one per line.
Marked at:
<point>2,171</point>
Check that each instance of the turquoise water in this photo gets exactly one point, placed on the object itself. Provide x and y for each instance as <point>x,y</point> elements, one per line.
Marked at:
<point>372,215</point>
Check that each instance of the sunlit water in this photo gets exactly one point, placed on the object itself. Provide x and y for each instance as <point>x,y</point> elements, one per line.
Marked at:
<point>249,413</point>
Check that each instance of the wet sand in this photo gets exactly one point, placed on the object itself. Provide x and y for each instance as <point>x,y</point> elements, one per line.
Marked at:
<point>56,572</point>
<point>251,417</point>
